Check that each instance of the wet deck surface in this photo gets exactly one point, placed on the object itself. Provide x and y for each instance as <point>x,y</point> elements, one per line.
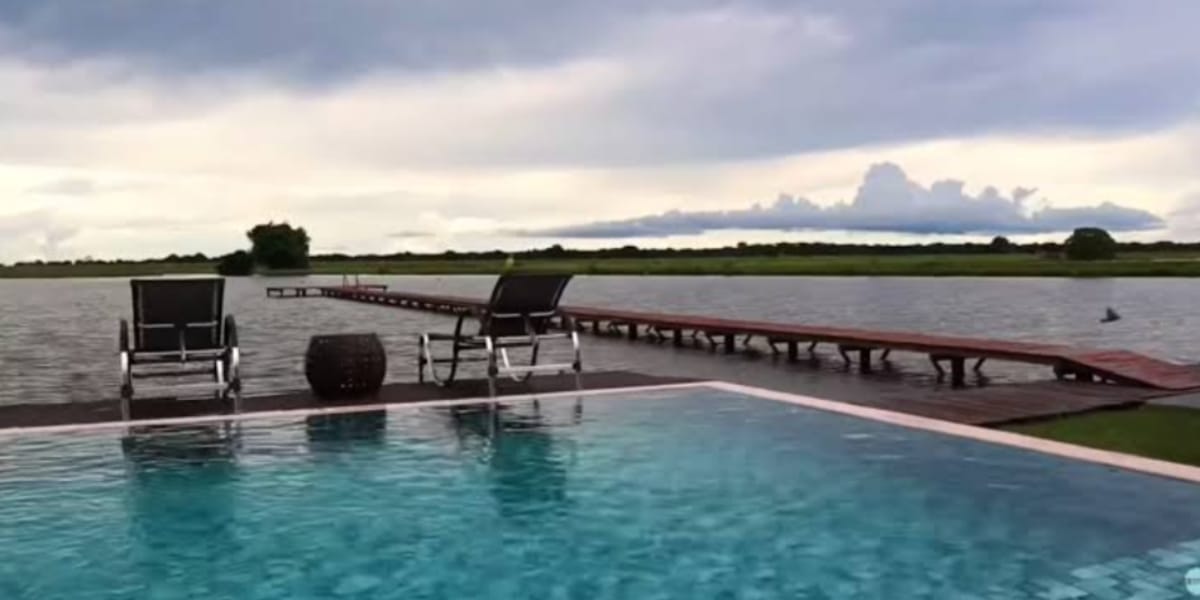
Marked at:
<point>39,415</point>
<point>989,405</point>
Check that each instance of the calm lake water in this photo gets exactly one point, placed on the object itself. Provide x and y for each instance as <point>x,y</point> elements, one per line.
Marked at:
<point>60,336</point>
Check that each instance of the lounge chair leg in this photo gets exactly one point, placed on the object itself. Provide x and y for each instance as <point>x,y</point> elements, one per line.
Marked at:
<point>492,368</point>
<point>420,359</point>
<point>126,371</point>
<point>577,364</point>
<point>236,388</point>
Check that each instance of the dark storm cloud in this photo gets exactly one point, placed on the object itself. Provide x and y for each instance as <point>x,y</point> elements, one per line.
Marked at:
<point>887,201</point>
<point>749,79</point>
<point>314,41</point>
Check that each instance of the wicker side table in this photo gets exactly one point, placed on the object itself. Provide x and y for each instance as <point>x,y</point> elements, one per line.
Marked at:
<point>345,365</point>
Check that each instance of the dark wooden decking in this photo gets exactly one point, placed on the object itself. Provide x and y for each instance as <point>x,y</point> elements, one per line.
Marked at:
<point>1007,404</point>
<point>1085,364</point>
<point>986,406</point>
<point>41,415</point>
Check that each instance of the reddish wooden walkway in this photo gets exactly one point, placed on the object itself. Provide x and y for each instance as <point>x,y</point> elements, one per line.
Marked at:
<point>1083,363</point>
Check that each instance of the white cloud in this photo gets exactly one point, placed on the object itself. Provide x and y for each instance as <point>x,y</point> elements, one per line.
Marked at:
<point>887,201</point>
<point>693,107</point>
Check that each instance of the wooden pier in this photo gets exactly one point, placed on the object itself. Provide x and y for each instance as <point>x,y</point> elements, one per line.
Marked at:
<point>304,291</point>
<point>949,355</point>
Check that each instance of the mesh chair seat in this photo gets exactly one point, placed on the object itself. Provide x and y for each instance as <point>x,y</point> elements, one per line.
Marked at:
<point>180,322</point>
<point>519,314</point>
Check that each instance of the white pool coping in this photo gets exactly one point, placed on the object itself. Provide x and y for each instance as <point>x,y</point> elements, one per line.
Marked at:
<point>1117,460</point>
<point>336,410</point>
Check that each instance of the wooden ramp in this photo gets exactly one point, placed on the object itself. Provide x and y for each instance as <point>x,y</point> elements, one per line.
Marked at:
<point>953,352</point>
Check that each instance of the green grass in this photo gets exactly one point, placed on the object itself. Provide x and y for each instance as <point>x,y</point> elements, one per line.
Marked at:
<point>104,270</point>
<point>1163,432</point>
<point>929,266</point>
<point>1004,265</point>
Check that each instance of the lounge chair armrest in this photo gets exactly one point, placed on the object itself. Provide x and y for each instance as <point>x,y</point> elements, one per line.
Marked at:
<point>231,332</point>
<point>123,337</point>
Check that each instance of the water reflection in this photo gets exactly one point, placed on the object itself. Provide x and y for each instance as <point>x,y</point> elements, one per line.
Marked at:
<point>159,448</point>
<point>341,432</point>
<point>181,499</point>
<point>528,465</point>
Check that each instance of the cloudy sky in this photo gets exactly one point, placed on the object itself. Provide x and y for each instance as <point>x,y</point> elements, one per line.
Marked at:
<point>137,128</point>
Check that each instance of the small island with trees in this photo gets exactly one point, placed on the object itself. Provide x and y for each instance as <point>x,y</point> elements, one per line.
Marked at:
<point>275,247</point>
<point>284,249</point>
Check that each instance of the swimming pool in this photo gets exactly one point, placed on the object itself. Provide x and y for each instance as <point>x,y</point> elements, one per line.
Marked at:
<point>692,492</point>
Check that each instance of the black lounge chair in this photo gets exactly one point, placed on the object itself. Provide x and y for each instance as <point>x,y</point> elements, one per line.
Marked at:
<point>518,315</point>
<point>178,324</point>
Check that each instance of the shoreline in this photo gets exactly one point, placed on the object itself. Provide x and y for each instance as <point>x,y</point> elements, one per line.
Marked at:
<point>934,266</point>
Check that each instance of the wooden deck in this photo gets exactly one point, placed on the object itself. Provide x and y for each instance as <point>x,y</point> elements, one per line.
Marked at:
<point>1008,404</point>
<point>860,345</point>
<point>40,415</point>
<point>991,406</point>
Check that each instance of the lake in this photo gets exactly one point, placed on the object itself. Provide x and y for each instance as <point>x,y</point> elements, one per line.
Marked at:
<point>60,336</point>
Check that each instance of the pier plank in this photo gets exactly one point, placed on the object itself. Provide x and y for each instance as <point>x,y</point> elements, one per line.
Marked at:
<point>1118,366</point>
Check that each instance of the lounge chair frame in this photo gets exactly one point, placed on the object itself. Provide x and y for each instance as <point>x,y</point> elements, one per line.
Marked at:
<point>506,322</point>
<point>211,343</point>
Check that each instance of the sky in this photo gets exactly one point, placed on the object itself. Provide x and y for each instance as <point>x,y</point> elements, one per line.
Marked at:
<point>138,128</point>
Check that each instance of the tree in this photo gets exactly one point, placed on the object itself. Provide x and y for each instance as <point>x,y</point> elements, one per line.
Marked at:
<point>1090,243</point>
<point>1000,244</point>
<point>279,246</point>
<point>236,264</point>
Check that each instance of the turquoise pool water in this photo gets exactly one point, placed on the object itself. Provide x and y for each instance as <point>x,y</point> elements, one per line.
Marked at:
<point>687,494</point>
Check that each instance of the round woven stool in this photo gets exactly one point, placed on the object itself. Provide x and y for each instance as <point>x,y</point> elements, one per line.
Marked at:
<point>345,365</point>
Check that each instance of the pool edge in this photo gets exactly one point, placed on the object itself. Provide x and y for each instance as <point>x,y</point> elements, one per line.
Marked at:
<point>1128,462</point>
<point>1109,458</point>
<point>335,410</point>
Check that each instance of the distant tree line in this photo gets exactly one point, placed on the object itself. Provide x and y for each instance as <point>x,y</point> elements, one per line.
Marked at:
<point>197,258</point>
<point>280,246</point>
<point>999,245</point>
